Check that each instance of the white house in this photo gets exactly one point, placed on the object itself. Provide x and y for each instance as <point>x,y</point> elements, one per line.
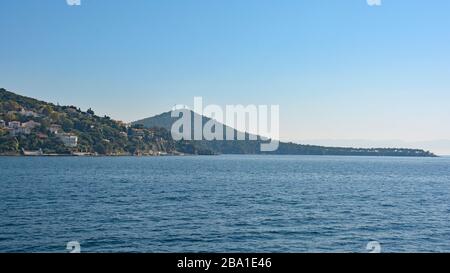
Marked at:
<point>17,128</point>
<point>69,140</point>
<point>14,124</point>
<point>14,127</point>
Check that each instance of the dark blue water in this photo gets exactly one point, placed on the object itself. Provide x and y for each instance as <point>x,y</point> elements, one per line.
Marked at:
<point>225,204</point>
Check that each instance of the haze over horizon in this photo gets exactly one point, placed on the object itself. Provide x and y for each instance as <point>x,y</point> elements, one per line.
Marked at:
<point>340,72</point>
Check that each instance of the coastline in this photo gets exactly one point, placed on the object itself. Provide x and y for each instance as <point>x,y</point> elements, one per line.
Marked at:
<point>91,155</point>
<point>180,154</point>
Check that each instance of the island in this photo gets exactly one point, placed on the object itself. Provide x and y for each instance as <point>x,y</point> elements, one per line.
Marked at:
<point>31,127</point>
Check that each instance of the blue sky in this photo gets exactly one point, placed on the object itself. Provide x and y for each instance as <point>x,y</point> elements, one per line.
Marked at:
<point>339,69</point>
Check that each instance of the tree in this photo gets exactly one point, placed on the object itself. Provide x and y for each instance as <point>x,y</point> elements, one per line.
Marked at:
<point>12,106</point>
<point>3,132</point>
<point>100,148</point>
<point>67,124</point>
<point>47,110</point>
<point>54,116</point>
<point>10,117</point>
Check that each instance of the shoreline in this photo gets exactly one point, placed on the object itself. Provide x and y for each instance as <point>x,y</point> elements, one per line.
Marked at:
<point>170,155</point>
<point>93,155</point>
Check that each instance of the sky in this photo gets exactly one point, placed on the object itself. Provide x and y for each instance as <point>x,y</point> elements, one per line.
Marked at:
<point>340,70</point>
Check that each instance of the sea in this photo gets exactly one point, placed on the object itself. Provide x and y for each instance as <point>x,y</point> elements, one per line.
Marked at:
<point>226,203</point>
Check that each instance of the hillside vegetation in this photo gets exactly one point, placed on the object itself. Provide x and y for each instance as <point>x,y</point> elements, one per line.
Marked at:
<point>253,146</point>
<point>94,134</point>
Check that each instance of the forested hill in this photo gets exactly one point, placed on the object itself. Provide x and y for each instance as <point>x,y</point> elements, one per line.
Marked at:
<point>27,124</point>
<point>253,146</point>
<point>33,125</point>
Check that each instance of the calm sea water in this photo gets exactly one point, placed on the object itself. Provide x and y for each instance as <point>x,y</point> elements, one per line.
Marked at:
<point>225,204</point>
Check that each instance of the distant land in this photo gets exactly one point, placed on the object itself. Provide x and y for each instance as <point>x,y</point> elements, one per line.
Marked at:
<point>165,121</point>
<point>32,127</point>
<point>438,146</point>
